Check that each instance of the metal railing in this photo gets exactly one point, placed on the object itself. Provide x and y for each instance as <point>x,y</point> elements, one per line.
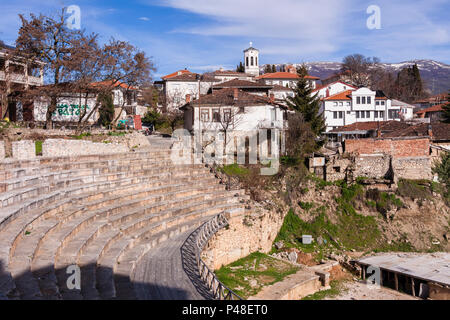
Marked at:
<point>218,289</point>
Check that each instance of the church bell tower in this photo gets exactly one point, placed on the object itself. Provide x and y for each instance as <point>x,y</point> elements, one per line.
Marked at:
<point>251,61</point>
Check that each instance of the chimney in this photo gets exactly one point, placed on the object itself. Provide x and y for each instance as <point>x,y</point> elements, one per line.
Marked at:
<point>430,131</point>
<point>272,98</point>
<point>236,94</point>
<point>328,93</point>
<point>188,98</point>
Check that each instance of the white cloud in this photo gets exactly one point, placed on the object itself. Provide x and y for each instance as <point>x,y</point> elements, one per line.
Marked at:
<point>144,19</point>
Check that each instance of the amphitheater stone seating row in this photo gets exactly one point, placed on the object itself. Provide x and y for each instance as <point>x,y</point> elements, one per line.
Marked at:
<point>103,214</point>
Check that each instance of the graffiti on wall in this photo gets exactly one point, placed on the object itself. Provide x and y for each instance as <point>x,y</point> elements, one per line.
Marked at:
<point>70,110</point>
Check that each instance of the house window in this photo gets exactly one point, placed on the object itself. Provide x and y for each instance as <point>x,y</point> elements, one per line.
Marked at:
<point>348,103</point>
<point>216,115</point>
<point>335,115</point>
<point>227,115</point>
<point>341,103</point>
<point>382,103</point>
<point>273,114</point>
<point>357,114</point>
<point>369,100</point>
<point>363,114</point>
<point>204,115</point>
<point>376,114</point>
<point>358,100</point>
<point>341,114</point>
<point>377,103</point>
<point>363,100</point>
<point>335,104</point>
<point>382,114</point>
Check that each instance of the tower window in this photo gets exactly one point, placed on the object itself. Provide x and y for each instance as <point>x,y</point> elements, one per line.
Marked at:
<point>252,61</point>
<point>246,62</point>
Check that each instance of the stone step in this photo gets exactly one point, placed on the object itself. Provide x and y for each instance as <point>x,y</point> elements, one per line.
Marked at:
<point>19,195</point>
<point>53,175</point>
<point>92,248</point>
<point>23,220</point>
<point>10,164</point>
<point>26,246</point>
<point>140,242</point>
<point>79,165</point>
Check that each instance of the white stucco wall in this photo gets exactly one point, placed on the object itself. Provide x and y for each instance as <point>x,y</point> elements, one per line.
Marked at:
<point>68,109</point>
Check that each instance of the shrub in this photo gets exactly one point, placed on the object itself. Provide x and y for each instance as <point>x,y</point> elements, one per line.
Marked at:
<point>414,189</point>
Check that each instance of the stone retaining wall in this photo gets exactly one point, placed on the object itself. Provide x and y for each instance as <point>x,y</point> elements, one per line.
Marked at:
<point>246,234</point>
<point>24,150</point>
<point>61,147</point>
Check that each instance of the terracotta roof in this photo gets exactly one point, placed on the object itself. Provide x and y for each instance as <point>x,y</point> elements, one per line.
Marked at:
<point>177,73</point>
<point>284,75</point>
<point>344,95</point>
<point>436,108</point>
<point>440,131</point>
<point>225,97</point>
<point>327,85</point>
<point>236,83</point>
<point>231,73</point>
<point>113,84</point>
<point>384,126</point>
<point>277,87</point>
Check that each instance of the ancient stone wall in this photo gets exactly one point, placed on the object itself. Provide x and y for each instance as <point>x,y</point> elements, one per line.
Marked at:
<point>24,150</point>
<point>245,234</point>
<point>373,166</point>
<point>412,168</point>
<point>61,147</point>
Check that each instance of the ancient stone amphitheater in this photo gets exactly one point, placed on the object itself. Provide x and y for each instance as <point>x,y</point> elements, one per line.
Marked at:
<point>121,218</point>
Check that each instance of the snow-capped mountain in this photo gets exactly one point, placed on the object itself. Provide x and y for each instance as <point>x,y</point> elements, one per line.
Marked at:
<point>435,74</point>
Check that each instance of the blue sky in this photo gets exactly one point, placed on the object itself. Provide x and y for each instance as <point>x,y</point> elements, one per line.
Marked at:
<point>203,35</point>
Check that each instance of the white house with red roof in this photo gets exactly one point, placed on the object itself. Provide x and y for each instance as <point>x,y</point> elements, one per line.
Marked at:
<point>285,79</point>
<point>325,91</point>
<point>361,105</point>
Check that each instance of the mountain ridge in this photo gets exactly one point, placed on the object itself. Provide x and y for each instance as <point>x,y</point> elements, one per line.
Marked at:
<point>435,74</point>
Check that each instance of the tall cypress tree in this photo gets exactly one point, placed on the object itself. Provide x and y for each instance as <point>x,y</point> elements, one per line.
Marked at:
<point>274,69</point>
<point>306,103</point>
<point>240,67</point>
<point>268,68</point>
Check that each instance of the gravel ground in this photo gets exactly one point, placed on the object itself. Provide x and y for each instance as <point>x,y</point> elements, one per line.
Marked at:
<point>356,290</point>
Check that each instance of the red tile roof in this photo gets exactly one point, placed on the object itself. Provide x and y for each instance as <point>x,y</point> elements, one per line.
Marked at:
<point>236,83</point>
<point>113,84</point>
<point>372,125</point>
<point>277,87</point>
<point>226,97</point>
<point>177,73</point>
<point>284,75</point>
<point>436,108</point>
<point>440,131</point>
<point>327,85</point>
<point>344,95</point>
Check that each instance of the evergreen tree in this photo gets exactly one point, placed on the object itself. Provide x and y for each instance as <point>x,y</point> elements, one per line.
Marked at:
<point>106,110</point>
<point>240,67</point>
<point>306,104</point>
<point>268,68</point>
<point>446,110</point>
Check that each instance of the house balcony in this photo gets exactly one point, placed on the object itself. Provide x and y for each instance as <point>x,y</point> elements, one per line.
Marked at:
<point>22,79</point>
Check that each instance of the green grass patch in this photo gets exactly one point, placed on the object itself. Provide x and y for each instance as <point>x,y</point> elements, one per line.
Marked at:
<point>116,134</point>
<point>38,148</point>
<point>83,135</point>
<point>306,205</point>
<point>257,266</point>
<point>415,189</point>
<point>336,289</point>
<point>235,170</point>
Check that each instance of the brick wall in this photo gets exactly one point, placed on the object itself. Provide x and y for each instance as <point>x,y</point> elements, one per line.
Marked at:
<point>398,148</point>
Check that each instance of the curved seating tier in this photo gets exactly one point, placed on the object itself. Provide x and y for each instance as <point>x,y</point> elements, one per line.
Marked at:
<point>100,213</point>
